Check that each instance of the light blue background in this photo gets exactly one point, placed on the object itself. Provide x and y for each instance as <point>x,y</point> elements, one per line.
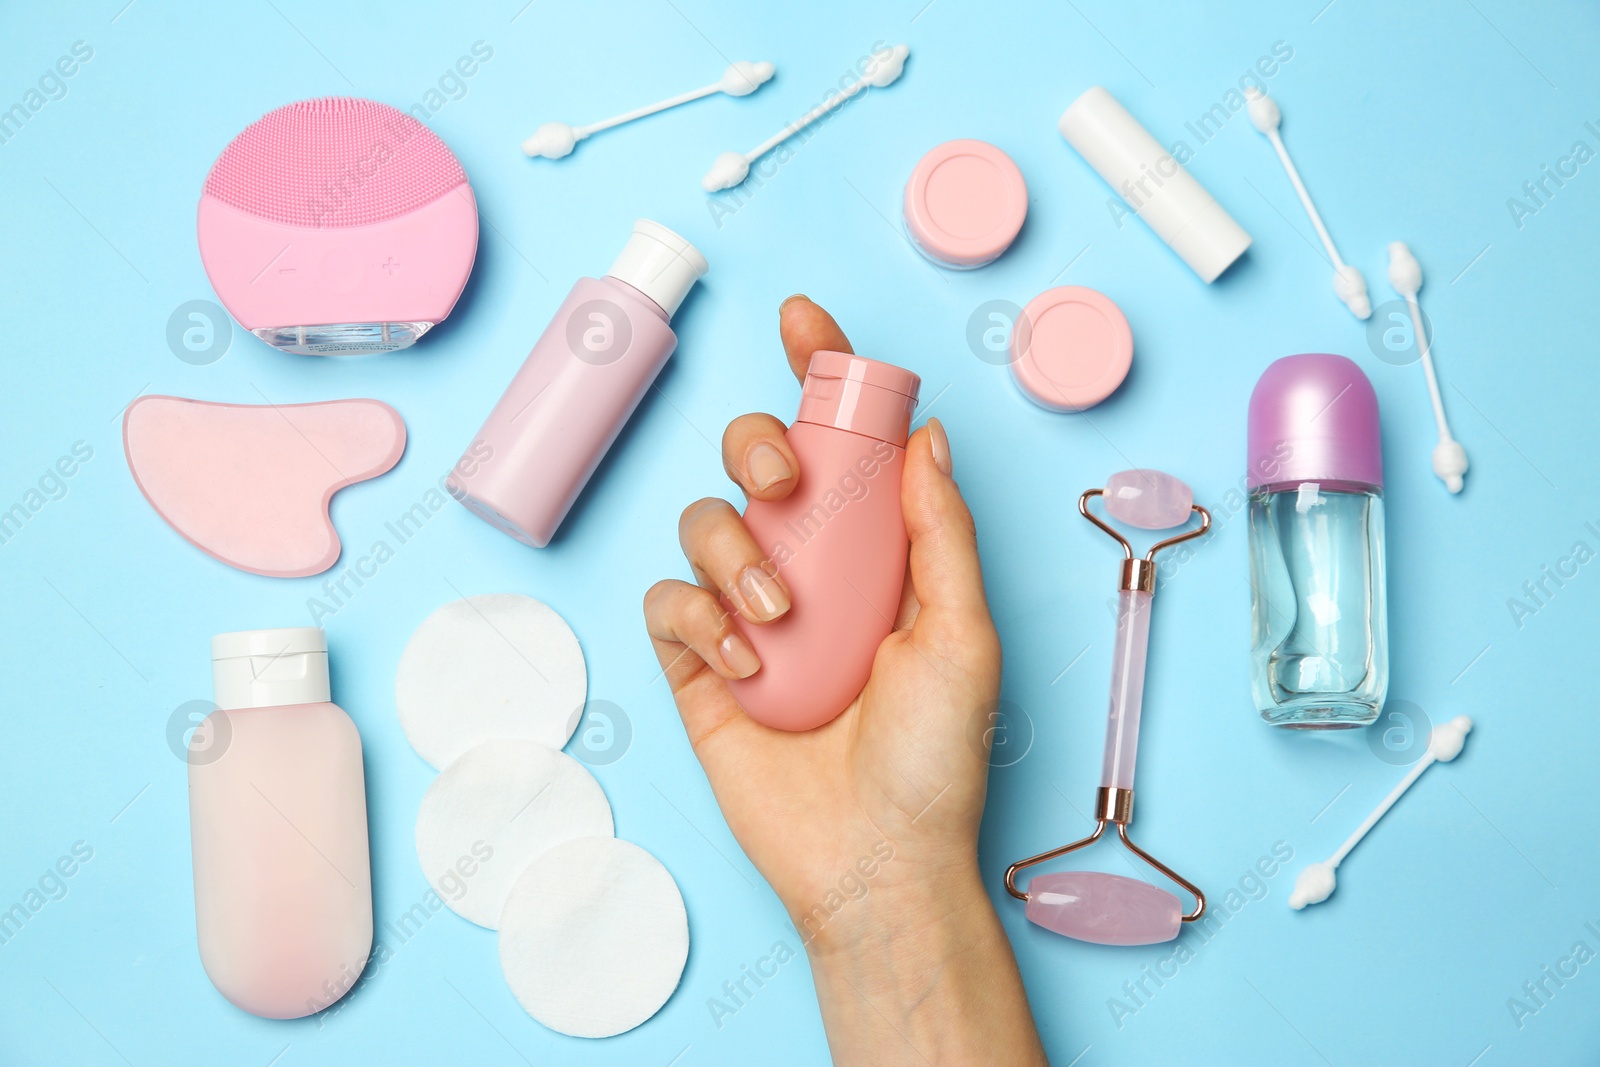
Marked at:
<point>1414,121</point>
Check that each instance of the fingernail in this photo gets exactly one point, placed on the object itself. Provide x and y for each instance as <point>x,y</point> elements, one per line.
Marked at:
<point>767,466</point>
<point>791,299</point>
<point>941,447</point>
<point>740,658</point>
<point>763,595</point>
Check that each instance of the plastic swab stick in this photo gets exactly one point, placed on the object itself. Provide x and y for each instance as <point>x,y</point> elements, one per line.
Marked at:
<point>1405,274</point>
<point>1316,883</point>
<point>554,140</point>
<point>1348,283</point>
<point>731,168</point>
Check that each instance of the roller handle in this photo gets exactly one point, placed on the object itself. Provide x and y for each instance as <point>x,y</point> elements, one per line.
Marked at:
<point>1127,688</point>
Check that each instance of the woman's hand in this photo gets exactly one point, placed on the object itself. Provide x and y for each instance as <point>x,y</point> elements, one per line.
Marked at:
<point>865,827</point>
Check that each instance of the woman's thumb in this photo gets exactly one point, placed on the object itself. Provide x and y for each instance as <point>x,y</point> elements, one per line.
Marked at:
<point>945,572</point>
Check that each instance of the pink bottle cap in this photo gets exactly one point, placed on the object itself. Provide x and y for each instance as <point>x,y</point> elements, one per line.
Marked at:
<point>1314,418</point>
<point>965,203</point>
<point>1071,348</point>
<point>860,395</point>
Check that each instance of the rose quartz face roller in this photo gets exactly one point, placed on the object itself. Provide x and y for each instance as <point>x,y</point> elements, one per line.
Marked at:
<point>1109,909</point>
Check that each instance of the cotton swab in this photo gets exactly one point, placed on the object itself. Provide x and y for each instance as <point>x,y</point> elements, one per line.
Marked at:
<point>554,140</point>
<point>1405,274</point>
<point>731,168</point>
<point>1348,283</point>
<point>1316,883</point>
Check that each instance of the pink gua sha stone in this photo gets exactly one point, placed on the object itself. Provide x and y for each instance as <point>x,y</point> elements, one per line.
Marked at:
<point>249,484</point>
<point>1148,499</point>
<point>1106,909</point>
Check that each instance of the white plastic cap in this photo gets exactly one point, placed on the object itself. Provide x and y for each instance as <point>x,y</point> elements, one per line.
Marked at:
<point>660,264</point>
<point>269,668</point>
<point>1153,183</point>
<point>1210,242</point>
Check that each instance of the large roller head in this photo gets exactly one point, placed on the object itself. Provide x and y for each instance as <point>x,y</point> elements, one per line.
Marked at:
<point>1106,909</point>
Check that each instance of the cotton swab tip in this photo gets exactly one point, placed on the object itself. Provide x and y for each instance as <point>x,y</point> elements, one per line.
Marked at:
<point>745,77</point>
<point>1264,113</point>
<point>1405,273</point>
<point>1351,287</point>
<point>887,66</point>
<point>729,170</point>
<point>1450,463</point>
<point>1447,739</point>
<point>1315,884</point>
<point>553,140</point>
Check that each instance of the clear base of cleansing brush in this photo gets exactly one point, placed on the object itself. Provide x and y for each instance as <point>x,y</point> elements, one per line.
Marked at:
<point>344,338</point>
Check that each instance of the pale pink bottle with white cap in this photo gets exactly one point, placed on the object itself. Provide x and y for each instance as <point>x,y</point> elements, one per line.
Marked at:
<point>589,370</point>
<point>278,824</point>
<point>839,541</point>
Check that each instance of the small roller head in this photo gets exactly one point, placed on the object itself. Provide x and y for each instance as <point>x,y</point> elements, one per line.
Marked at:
<point>1148,499</point>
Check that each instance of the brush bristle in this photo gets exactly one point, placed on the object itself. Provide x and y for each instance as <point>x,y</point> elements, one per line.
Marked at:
<point>332,163</point>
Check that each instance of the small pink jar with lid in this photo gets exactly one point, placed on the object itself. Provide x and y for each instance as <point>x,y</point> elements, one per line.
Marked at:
<point>1070,349</point>
<point>965,204</point>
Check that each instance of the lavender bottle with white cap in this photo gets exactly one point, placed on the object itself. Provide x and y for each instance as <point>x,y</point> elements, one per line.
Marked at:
<point>1319,639</point>
<point>587,372</point>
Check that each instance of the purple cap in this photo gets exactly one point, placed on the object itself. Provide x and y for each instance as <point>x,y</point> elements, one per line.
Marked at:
<point>1314,418</point>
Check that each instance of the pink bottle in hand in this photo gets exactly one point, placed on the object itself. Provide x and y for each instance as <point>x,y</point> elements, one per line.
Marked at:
<point>838,540</point>
<point>278,821</point>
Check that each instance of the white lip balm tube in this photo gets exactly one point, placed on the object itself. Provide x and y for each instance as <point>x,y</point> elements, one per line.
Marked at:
<point>1153,183</point>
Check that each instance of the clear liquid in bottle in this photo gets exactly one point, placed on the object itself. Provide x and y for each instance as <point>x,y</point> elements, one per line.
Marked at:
<point>1319,645</point>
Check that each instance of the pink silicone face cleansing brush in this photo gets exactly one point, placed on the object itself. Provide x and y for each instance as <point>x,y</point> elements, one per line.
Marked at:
<point>338,227</point>
<point>1109,909</point>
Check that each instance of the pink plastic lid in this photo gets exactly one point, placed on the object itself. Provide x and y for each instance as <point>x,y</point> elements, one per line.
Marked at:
<point>1314,418</point>
<point>859,395</point>
<point>1071,348</point>
<point>965,203</point>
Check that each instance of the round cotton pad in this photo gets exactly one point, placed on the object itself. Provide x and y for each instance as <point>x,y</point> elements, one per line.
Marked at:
<point>489,668</point>
<point>965,203</point>
<point>491,812</point>
<point>1071,348</point>
<point>594,937</point>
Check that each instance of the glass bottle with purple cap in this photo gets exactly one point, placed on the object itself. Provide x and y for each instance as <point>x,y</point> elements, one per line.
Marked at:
<point>1319,643</point>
